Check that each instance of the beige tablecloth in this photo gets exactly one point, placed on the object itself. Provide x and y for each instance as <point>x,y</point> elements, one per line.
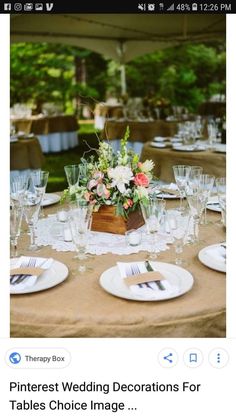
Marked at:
<point>46,124</point>
<point>26,154</point>
<point>109,111</point>
<point>79,307</point>
<point>213,163</point>
<point>139,131</point>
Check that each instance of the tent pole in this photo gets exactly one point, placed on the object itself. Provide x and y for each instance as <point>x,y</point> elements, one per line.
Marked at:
<point>123,79</point>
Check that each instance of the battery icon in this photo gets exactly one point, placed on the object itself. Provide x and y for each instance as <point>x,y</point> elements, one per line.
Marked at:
<point>194,7</point>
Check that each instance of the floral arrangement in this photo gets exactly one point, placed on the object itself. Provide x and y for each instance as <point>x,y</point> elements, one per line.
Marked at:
<point>118,179</point>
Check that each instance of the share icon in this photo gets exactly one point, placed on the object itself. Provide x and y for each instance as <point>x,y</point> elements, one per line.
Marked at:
<point>168,357</point>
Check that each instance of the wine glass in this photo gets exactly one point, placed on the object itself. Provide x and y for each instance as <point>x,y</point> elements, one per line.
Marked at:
<point>39,180</point>
<point>197,200</point>
<point>178,224</point>
<point>18,185</point>
<point>212,134</point>
<point>81,203</point>
<point>181,174</point>
<point>32,200</point>
<point>79,226</point>
<point>206,183</point>
<point>16,213</point>
<point>72,172</point>
<point>152,213</point>
<point>221,191</point>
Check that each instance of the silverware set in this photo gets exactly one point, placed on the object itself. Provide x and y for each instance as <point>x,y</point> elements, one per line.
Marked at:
<point>133,269</point>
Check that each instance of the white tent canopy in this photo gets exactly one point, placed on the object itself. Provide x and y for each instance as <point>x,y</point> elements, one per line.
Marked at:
<point>121,37</point>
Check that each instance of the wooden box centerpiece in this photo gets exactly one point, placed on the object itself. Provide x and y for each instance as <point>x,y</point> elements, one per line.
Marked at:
<point>116,183</point>
<point>106,220</point>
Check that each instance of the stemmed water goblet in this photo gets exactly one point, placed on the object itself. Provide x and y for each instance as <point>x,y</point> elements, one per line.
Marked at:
<point>79,203</point>
<point>72,172</point>
<point>212,134</point>
<point>31,200</point>
<point>39,180</point>
<point>197,200</point>
<point>153,212</point>
<point>181,174</point>
<point>221,191</point>
<point>178,224</point>
<point>18,185</point>
<point>79,221</point>
<point>206,183</point>
<point>16,213</point>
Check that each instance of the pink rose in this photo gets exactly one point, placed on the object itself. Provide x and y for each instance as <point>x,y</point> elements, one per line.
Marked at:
<point>128,203</point>
<point>141,180</point>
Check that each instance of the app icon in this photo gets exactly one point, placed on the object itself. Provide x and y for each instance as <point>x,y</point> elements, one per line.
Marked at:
<point>38,7</point>
<point>17,7</point>
<point>28,7</point>
<point>49,6</point>
<point>7,7</point>
<point>15,358</point>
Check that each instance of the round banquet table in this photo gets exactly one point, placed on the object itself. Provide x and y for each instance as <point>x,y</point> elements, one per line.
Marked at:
<point>55,133</point>
<point>104,110</point>
<point>26,154</point>
<point>79,307</point>
<point>141,131</point>
<point>212,162</point>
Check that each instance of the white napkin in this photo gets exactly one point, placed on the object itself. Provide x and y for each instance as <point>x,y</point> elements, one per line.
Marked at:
<point>30,280</point>
<point>217,253</point>
<point>144,291</point>
<point>172,186</point>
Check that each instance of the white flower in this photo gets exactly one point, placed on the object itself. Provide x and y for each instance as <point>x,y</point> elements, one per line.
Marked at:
<point>73,189</point>
<point>142,192</point>
<point>147,166</point>
<point>121,176</point>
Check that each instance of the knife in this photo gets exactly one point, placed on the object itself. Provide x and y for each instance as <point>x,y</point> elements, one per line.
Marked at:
<point>150,269</point>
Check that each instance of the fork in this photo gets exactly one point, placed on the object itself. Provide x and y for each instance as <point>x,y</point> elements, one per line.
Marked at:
<point>136,271</point>
<point>129,270</point>
<point>31,263</point>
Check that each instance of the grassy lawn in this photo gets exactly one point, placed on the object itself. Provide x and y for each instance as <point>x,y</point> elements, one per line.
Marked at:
<point>55,162</point>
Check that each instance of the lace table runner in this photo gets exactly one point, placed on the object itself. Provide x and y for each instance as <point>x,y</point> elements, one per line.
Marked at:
<point>52,233</point>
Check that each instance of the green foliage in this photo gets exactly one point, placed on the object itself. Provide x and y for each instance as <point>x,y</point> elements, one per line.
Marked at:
<point>186,74</point>
<point>46,73</point>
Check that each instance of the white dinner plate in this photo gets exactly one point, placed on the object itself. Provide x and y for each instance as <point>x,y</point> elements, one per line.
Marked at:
<point>179,278</point>
<point>209,257</point>
<point>50,198</point>
<point>160,145</point>
<point>191,148</point>
<point>53,276</point>
<point>161,139</point>
<point>213,204</point>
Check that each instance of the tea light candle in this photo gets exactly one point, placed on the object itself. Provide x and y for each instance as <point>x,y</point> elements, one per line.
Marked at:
<point>62,216</point>
<point>67,235</point>
<point>133,237</point>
